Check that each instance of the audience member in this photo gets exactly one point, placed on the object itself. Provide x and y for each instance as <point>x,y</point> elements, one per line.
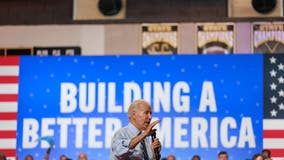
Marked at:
<point>3,156</point>
<point>171,157</point>
<point>64,157</point>
<point>266,154</point>
<point>29,157</point>
<point>223,155</point>
<point>196,157</point>
<point>82,156</point>
<point>257,157</point>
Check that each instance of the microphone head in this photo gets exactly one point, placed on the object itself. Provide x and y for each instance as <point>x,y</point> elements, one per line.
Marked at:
<point>153,133</point>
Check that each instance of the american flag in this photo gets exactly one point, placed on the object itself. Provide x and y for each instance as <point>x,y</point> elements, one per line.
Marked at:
<point>9,73</point>
<point>273,110</point>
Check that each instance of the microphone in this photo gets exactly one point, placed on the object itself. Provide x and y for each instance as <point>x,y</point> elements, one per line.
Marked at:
<point>156,150</point>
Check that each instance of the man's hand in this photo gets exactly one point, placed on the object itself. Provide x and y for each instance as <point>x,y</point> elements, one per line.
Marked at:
<point>156,144</point>
<point>149,130</point>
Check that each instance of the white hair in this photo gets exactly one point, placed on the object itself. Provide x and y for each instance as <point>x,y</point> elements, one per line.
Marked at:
<point>135,104</point>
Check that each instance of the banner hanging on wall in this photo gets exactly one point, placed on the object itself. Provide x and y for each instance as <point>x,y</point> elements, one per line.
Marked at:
<point>205,103</point>
<point>215,38</point>
<point>159,38</point>
<point>268,37</point>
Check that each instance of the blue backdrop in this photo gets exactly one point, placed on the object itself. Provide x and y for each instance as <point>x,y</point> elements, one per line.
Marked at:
<point>205,103</point>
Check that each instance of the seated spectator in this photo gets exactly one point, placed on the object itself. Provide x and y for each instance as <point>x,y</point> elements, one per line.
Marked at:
<point>3,156</point>
<point>63,157</point>
<point>266,154</point>
<point>29,157</point>
<point>195,157</point>
<point>171,157</point>
<point>223,155</point>
<point>82,156</point>
<point>257,157</point>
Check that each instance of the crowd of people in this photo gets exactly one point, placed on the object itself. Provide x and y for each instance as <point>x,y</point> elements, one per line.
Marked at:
<point>81,156</point>
<point>265,155</point>
<point>223,155</point>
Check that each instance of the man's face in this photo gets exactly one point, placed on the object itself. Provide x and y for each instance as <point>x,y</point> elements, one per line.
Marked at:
<point>142,116</point>
<point>171,158</point>
<point>223,157</point>
<point>63,158</point>
<point>259,158</point>
<point>28,158</point>
<point>82,156</point>
<point>265,154</point>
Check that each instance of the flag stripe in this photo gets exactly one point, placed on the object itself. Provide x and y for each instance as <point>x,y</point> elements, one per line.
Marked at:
<point>10,60</point>
<point>273,133</point>
<point>8,125</point>
<point>273,143</point>
<point>9,70</point>
<point>7,134</point>
<point>11,158</point>
<point>8,88</point>
<point>8,143</point>
<point>9,152</point>
<point>9,79</point>
<point>8,97</point>
<point>277,153</point>
<point>273,124</point>
<point>8,116</point>
<point>8,106</point>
